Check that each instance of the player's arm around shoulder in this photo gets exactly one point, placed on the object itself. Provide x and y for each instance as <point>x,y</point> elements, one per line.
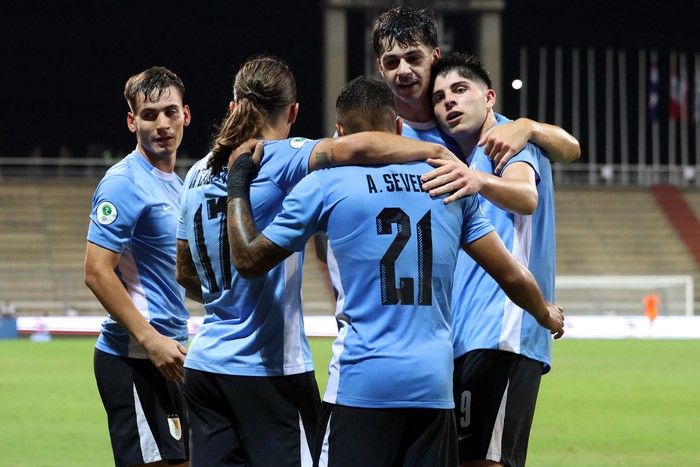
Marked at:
<point>503,142</point>
<point>452,177</point>
<point>515,191</point>
<point>373,148</point>
<point>252,253</point>
<point>558,144</point>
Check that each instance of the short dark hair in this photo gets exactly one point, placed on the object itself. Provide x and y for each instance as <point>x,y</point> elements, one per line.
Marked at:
<point>405,26</point>
<point>151,84</point>
<point>465,65</point>
<point>366,104</point>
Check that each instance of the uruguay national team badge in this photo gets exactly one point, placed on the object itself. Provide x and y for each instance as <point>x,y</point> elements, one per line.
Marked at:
<point>106,213</point>
<point>296,143</point>
<point>175,427</point>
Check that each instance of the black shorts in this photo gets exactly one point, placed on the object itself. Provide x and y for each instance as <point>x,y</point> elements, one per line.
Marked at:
<point>146,412</point>
<point>353,436</point>
<point>252,420</point>
<point>495,394</point>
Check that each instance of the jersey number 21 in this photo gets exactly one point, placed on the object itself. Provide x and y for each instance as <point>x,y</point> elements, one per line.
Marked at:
<point>404,293</point>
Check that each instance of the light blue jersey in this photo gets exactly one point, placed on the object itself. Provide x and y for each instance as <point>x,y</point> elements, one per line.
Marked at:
<point>135,213</point>
<point>429,132</point>
<point>252,327</point>
<point>392,253</point>
<point>484,317</point>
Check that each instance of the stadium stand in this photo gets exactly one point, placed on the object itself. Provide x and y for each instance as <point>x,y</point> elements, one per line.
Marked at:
<point>680,215</point>
<point>42,242</point>
<point>611,231</point>
<point>603,231</point>
<point>43,225</point>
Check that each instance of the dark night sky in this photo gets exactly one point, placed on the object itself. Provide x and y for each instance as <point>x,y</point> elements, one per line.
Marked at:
<point>65,63</point>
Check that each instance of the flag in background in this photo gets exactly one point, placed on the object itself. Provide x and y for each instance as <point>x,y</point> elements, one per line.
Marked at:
<point>683,90</point>
<point>674,103</point>
<point>654,89</point>
<point>696,89</point>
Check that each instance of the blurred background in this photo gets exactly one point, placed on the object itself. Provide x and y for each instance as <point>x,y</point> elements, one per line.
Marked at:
<point>622,77</point>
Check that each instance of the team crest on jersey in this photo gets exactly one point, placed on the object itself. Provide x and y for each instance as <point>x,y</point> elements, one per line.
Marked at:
<point>106,213</point>
<point>175,427</point>
<point>296,143</point>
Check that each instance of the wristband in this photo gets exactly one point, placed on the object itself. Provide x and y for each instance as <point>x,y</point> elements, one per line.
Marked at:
<point>241,174</point>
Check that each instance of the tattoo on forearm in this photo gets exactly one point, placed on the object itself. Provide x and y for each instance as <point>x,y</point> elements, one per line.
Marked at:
<point>188,269</point>
<point>243,229</point>
<point>266,254</point>
<point>241,232</point>
<point>250,250</point>
<point>325,160</point>
<point>187,272</point>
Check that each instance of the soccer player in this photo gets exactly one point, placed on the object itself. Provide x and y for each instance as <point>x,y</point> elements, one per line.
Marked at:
<point>406,45</point>
<point>249,380</point>
<point>392,252</point>
<point>130,267</point>
<point>500,350</point>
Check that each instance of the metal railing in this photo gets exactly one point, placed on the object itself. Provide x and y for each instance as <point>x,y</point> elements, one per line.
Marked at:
<point>579,173</point>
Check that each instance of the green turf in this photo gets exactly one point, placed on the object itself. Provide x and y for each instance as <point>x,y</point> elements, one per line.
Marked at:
<point>606,403</point>
<point>51,413</point>
<point>619,403</point>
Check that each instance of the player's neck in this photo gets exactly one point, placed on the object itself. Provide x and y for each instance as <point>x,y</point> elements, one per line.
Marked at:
<point>489,122</point>
<point>164,164</point>
<point>273,131</point>
<point>467,142</point>
<point>419,112</point>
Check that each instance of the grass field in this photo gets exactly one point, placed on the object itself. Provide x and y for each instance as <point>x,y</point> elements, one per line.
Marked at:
<point>605,403</point>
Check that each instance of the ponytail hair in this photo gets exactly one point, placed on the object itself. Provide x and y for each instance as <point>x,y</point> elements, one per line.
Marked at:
<point>264,87</point>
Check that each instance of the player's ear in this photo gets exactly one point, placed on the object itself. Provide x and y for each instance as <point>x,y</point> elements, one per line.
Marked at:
<point>399,125</point>
<point>339,129</point>
<point>186,114</point>
<point>380,67</point>
<point>131,122</point>
<point>231,106</point>
<point>293,112</point>
<point>436,55</point>
<point>490,98</point>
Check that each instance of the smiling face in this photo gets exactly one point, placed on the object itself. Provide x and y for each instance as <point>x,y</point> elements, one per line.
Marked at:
<point>462,106</point>
<point>159,126</point>
<point>406,70</point>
